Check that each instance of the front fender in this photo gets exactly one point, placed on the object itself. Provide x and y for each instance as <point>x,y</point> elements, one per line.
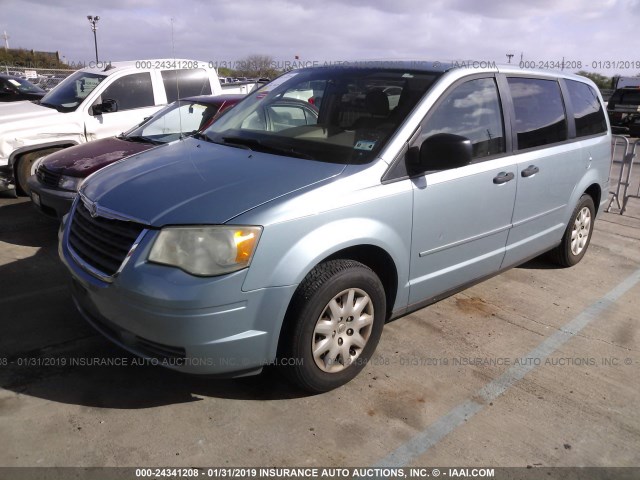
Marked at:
<point>65,142</point>
<point>288,251</point>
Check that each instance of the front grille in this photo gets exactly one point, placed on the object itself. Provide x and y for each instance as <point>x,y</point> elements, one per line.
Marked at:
<point>47,177</point>
<point>101,242</point>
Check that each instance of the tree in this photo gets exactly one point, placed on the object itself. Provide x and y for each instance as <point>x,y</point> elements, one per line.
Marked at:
<point>258,66</point>
<point>30,59</point>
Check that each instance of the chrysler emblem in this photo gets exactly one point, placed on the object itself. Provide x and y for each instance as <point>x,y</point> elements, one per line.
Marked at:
<point>93,210</point>
<point>92,207</point>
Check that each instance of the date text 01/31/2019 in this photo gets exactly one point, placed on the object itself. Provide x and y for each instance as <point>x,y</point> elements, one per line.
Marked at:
<point>579,64</point>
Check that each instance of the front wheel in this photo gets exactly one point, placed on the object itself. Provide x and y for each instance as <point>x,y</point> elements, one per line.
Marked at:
<point>334,325</point>
<point>577,236</point>
<point>24,169</point>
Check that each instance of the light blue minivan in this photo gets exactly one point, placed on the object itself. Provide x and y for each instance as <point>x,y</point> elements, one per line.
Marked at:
<point>328,202</point>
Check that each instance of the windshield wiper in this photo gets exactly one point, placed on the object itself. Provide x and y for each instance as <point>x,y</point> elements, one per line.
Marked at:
<point>254,144</point>
<point>141,138</point>
<point>206,138</point>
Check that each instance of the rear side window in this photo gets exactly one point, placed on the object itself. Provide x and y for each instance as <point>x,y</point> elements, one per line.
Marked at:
<point>185,83</point>
<point>540,115</point>
<point>471,110</point>
<point>587,109</point>
<point>132,91</point>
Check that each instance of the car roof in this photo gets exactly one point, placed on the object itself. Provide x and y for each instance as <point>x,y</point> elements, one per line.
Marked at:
<point>14,77</point>
<point>435,66</point>
<point>109,68</point>
<point>214,99</point>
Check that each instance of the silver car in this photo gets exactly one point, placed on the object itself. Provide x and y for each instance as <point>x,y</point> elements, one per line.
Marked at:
<point>292,229</point>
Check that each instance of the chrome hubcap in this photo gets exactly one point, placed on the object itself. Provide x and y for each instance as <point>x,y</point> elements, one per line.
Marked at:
<point>342,330</point>
<point>581,230</point>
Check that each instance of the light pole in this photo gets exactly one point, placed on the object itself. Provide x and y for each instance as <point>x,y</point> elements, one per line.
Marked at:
<point>93,20</point>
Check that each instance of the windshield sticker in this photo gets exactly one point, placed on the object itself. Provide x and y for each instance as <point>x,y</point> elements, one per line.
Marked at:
<point>407,75</point>
<point>14,82</point>
<point>365,145</point>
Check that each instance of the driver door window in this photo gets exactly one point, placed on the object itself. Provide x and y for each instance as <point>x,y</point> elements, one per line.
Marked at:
<point>471,110</point>
<point>130,92</point>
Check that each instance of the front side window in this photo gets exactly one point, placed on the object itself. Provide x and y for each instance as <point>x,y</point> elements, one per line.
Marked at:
<point>341,115</point>
<point>472,110</point>
<point>130,91</point>
<point>185,83</point>
<point>539,109</point>
<point>72,91</point>
<point>587,109</point>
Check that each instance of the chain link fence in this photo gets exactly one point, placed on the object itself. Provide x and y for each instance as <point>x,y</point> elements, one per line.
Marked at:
<point>45,78</point>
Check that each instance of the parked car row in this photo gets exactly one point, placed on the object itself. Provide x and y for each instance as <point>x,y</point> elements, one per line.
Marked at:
<point>60,174</point>
<point>324,204</point>
<point>95,103</point>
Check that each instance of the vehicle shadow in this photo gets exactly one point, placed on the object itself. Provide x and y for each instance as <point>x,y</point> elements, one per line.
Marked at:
<point>542,262</point>
<point>47,350</point>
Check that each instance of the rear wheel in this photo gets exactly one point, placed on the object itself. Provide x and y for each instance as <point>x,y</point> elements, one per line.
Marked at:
<point>577,236</point>
<point>336,319</point>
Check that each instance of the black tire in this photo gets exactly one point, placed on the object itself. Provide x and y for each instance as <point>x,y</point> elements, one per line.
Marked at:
<point>573,248</point>
<point>329,281</point>
<point>23,172</point>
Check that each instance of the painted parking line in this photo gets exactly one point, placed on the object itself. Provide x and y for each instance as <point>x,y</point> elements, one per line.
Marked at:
<point>408,452</point>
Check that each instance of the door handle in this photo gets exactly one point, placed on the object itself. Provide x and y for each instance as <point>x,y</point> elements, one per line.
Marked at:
<point>503,177</point>
<point>530,170</point>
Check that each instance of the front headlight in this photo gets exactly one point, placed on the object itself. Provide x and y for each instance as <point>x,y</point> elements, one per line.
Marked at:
<point>70,183</point>
<point>206,251</point>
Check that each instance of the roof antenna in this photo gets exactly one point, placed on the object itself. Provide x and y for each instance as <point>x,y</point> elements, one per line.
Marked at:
<point>173,49</point>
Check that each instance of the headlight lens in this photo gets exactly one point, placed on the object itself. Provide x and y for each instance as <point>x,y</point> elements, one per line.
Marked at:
<point>70,183</point>
<point>206,251</point>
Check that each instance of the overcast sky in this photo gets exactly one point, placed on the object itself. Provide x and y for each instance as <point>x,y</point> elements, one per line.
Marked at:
<point>333,30</point>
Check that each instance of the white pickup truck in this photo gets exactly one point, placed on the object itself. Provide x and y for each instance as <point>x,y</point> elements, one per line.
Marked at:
<point>94,103</point>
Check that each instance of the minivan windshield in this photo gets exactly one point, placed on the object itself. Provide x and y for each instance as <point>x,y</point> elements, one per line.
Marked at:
<point>72,91</point>
<point>333,114</point>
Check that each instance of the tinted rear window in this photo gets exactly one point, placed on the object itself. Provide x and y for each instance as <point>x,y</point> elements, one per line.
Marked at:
<point>587,109</point>
<point>540,114</point>
<point>185,83</point>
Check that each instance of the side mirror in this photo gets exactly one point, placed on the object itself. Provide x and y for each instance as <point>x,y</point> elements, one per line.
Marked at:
<point>107,106</point>
<point>441,151</point>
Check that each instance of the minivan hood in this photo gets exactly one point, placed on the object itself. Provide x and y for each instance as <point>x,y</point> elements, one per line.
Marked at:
<point>194,182</point>
<point>83,160</point>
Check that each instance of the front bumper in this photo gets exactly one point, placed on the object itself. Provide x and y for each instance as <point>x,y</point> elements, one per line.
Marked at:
<point>186,323</point>
<point>51,202</point>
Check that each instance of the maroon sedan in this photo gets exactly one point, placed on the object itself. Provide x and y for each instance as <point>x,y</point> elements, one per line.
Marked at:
<point>59,175</point>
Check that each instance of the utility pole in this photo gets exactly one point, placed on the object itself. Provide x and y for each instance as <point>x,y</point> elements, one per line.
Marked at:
<point>93,20</point>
